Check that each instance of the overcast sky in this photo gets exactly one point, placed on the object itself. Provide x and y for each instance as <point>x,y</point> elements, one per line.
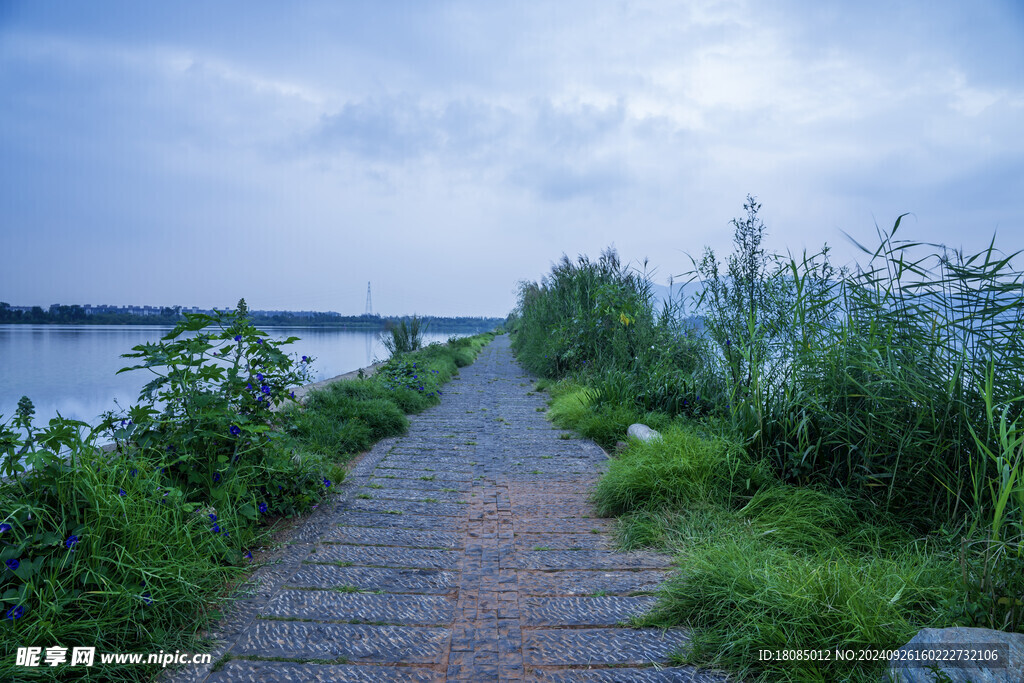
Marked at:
<point>196,152</point>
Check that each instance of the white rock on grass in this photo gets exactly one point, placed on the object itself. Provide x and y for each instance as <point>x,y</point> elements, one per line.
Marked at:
<point>643,432</point>
<point>932,641</point>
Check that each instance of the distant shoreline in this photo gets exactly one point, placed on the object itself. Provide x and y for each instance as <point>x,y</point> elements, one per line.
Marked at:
<point>468,324</point>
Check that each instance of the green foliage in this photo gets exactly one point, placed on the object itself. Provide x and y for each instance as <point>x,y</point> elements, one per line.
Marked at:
<point>382,417</point>
<point>128,549</point>
<point>865,408</point>
<point>592,316</point>
<point>605,423</point>
<point>682,468</point>
<point>741,594</point>
<point>404,337</point>
<point>81,564</point>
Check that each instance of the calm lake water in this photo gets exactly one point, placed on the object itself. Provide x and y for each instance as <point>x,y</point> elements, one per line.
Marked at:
<point>72,369</point>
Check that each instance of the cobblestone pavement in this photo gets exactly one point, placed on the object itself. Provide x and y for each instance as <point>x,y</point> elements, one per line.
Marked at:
<point>465,551</point>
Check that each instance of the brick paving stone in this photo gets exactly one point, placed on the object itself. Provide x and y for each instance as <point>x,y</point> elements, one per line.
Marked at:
<point>354,643</point>
<point>423,475</point>
<point>419,484</point>
<point>582,611</point>
<point>389,580</point>
<point>393,521</point>
<point>328,605</point>
<point>600,645</point>
<point>649,674</point>
<point>546,524</point>
<point>554,541</point>
<point>589,559</point>
<point>411,538</point>
<point>508,576</point>
<point>415,495</point>
<point>407,507</point>
<point>427,459</point>
<point>255,671</point>
<point>563,510</point>
<point>590,582</point>
<point>373,556</point>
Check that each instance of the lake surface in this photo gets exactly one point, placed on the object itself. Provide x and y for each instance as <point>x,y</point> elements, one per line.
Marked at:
<point>72,369</point>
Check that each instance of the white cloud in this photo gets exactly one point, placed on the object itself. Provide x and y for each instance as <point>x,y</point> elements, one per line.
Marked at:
<point>446,133</point>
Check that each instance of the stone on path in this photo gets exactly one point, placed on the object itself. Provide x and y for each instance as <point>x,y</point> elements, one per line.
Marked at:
<point>466,550</point>
<point>643,432</point>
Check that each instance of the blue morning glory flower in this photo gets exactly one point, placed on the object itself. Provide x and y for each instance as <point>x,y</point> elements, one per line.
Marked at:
<point>263,507</point>
<point>259,341</point>
<point>265,389</point>
<point>259,377</point>
<point>305,358</point>
<point>4,527</point>
<point>71,542</point>
<point>15,612</point>
<point>213,517</point>
<point>216,528</point>
<point>235,431</point>
<point>327,482</point>
<point>238,337</point>
<point>216,477</point>
<point>122,493</point>
<point>12,564</point>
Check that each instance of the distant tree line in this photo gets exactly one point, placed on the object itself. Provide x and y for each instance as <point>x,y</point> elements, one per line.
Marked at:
<point>169,315</point>
<point>77,315</point>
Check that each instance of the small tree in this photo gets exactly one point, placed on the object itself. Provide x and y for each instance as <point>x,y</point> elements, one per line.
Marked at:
<point>745,309</point>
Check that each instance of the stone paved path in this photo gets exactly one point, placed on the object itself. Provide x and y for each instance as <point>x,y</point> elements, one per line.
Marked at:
<point>464,551</point>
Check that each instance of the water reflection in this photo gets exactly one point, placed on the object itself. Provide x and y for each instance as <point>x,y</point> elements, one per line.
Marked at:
<point>72,369</point>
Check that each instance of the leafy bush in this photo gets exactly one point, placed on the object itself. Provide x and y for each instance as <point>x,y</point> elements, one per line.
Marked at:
<point>125,549</point>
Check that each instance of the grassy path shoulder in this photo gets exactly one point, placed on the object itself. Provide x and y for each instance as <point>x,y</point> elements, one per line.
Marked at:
<point>766,566</point>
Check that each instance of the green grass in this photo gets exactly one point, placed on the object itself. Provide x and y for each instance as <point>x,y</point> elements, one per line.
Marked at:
<point>740,594</point>
<point>682,468</point>
<point>843,452</point>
